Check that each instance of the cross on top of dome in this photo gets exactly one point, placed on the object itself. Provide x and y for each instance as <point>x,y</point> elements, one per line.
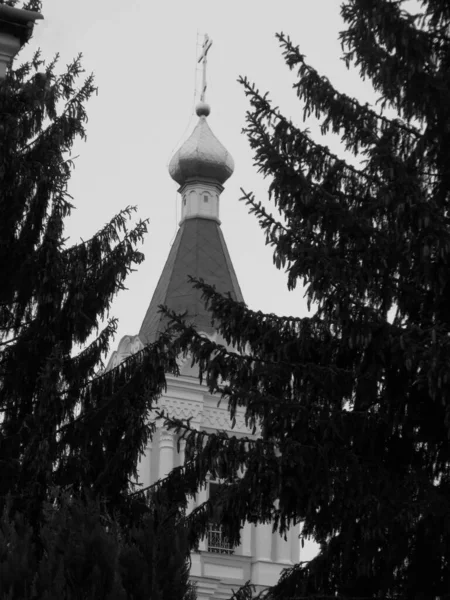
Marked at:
<point>202,155</point>
<point>203,58</point>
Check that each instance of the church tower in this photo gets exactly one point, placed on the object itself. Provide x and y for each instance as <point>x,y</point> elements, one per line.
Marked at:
<point>200,168</point>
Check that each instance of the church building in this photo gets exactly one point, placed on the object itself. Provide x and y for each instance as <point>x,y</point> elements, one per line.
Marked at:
<point>200,168</point>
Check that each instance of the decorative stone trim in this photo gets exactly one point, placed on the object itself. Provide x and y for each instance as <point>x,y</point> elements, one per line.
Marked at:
<point>220,419</point>
<point>181,409</point>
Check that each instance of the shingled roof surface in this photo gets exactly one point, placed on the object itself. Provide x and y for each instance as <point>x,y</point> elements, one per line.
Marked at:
<point>199,250</point>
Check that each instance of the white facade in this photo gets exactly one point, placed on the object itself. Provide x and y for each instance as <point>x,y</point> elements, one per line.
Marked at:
<point>216,568</point>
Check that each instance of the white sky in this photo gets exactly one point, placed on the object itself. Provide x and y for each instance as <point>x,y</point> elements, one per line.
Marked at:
<point>144,56</point>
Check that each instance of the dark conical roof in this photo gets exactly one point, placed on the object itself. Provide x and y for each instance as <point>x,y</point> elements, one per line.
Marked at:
<point>199,250</point>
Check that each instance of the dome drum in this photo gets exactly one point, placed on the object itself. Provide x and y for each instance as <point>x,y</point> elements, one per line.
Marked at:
<point>200,199</point>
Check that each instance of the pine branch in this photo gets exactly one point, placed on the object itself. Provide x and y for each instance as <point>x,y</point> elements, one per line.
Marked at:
<point>360,123</point>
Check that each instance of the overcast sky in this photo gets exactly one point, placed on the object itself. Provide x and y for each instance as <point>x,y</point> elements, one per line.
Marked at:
<point>144,56</point>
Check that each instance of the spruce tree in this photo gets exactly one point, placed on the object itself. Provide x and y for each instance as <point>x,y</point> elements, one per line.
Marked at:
<point>353,402</point>
<point>88,555</point>
<point>70,434</point>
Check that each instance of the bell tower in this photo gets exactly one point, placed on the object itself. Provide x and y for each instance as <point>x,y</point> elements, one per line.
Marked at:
<point>201,167</point>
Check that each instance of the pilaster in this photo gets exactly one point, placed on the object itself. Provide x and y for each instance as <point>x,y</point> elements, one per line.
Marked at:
<point>145,466</point>
<point>262,542</point>
<point>283,547</point>
<point>166,452</point>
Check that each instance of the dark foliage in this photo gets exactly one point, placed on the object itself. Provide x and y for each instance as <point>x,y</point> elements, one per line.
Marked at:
<point>70,434</point>
<point>353,403</point>
<point>88,556</point>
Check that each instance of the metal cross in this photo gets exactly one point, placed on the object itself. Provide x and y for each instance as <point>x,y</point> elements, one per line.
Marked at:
<point>203,57</point>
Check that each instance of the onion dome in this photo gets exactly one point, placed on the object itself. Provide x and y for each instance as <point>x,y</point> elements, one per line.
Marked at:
<point>201,155</point>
